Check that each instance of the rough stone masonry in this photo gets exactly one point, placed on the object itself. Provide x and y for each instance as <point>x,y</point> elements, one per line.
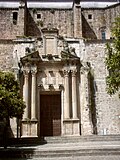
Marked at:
<point>59,48</point>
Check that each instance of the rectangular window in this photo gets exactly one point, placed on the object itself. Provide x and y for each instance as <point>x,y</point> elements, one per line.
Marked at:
<point>89,16</point>
<point>103,35</point>
<point>15,17</point>
<point>38,16</point>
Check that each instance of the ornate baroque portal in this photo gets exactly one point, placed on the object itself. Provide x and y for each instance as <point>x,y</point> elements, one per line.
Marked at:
<point>51,89</point>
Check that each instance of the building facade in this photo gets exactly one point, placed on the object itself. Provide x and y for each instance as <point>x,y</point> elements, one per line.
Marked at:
<point>57,51</point>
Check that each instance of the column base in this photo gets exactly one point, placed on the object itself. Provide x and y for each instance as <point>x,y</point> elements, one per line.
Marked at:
<point>29,128</point>
<point>71,127</point>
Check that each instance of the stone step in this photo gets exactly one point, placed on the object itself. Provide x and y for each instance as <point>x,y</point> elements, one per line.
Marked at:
<point>75,139</point>
<point>62,139</point>
<point>65,150</point>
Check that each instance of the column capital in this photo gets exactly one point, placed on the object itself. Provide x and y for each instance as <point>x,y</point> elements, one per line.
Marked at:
<point>66,72</point>
<point>33,69</point>
<point>26,70</point>
<point>85,69</point>
<point>74,72</point>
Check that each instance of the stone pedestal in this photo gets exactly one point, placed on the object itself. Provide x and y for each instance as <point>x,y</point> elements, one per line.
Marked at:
<point>29,128</point>
<point>71,127</point>
<point>34,126</point>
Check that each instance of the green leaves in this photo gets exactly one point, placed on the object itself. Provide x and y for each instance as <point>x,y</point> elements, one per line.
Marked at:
<point>113,60</point>
<point>11,103</point>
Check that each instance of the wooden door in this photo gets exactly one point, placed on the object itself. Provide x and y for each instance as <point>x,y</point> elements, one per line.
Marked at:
<point>50,115</point>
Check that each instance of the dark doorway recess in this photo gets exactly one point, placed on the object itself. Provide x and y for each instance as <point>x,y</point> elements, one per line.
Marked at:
<point>50,115</point>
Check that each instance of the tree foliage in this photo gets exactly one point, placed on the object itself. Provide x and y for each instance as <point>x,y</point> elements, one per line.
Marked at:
<point>11,103</point>
<point>113,60</point>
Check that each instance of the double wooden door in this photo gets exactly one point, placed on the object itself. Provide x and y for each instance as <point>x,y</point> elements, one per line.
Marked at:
<point>50,115</point>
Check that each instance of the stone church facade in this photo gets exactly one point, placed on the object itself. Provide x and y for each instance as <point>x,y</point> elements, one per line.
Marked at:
<point>57,51</point>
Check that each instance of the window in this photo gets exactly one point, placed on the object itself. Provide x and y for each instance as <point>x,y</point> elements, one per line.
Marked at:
<point>103,35</point>
<point>15,16</point>
<point>38,16</point>
<point>89,16</point>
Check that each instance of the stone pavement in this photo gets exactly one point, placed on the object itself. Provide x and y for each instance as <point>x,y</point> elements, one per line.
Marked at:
<point>73,158</point>
<point>95,150</point>
<point>83,158</point>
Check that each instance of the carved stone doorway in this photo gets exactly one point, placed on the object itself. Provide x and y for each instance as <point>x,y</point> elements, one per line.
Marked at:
<point>50,114</point>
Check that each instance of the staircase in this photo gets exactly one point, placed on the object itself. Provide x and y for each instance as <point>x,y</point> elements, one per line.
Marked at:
<point>74,139</point>
<point>65,148</point>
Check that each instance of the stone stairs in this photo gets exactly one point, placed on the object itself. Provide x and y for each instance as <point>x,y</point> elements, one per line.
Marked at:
<point>65,147</point>
<point>74,139</point>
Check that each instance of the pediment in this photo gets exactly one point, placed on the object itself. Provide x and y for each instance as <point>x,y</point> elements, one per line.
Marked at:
<point>31,58</point>
<point>68,55</point>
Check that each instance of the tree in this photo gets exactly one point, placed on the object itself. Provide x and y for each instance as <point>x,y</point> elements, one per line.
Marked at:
<point>11,103</point>
<point>113,60</point>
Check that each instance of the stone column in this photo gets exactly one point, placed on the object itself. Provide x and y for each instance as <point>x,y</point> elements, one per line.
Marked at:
<point>33,92</point>
<point>66,95</point>
<point>26,71</point>
<point>74,94</point>
<point>44,45</point>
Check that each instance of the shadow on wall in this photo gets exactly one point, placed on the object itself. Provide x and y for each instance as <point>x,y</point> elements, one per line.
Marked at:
<point>92,106</point>
<point>87,31</point>
<point>32,27</point>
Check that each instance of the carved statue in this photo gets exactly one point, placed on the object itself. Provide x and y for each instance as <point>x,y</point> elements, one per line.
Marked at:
<point>68,52</point>
<point>65,47</point>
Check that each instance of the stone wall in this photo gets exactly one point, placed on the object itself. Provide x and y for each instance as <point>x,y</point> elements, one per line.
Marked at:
<point>7,29</point>
<point>95,20</point>
<point>6,55</point>
<point>107,108</point>
<point>61,19</point>
<point>92,21</point>
<point>99,111</point>
<point>110,14</point>
<point>67,21</point>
